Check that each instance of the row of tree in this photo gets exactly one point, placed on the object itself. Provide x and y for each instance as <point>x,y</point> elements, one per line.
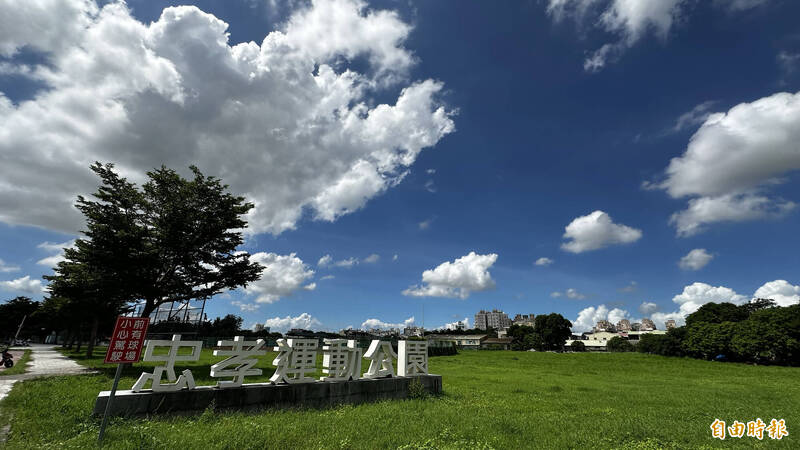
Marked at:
<point>40,320</point>
<point>757,332</point>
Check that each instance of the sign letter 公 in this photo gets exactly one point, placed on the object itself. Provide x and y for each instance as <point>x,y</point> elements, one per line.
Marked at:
<point>380,354</point>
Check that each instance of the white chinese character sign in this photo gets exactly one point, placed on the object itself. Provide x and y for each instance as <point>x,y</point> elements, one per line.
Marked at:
<point>380,354</point>
<point>412,358</point>
<point>241,356</point>
<point>126,341</point>
<point>295,363</point>
<point>186,379</point>
<point>296,358</point>
<point>341,360</point>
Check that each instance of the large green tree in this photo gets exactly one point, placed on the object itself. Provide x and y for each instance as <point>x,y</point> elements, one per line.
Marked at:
<point>551,332</point>
<point>172,239</point>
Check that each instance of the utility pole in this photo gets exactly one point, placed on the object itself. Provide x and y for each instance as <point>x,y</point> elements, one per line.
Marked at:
<point>19,329</point>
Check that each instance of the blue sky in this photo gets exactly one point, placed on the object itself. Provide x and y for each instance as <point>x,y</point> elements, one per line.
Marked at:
<point>428,130</point>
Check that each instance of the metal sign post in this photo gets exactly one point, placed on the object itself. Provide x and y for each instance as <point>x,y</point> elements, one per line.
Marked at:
<point>125,347</point>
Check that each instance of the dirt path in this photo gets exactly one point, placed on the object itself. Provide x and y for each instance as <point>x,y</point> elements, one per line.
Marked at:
<point>45,361</point>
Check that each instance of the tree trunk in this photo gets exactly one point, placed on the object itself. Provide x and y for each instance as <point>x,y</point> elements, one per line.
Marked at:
<point>149,307</point>
<point>71,339</point>
<point>92,337</point>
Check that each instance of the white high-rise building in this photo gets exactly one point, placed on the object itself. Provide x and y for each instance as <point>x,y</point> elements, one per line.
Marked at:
<point>495,319</point>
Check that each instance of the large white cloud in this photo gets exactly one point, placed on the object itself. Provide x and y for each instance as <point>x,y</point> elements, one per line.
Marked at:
<point>698,294</point>
<point>732,160</point>
<point>595,231</point>
<point>282,276</point>
<point>45,25</point>
<point>783,292</point>
<point>695,259</point>
<point>282,324</point>
<point>285,123</point>
<point>589,316</point>
<point>370,324</point>
<point>23,284</point>
<point>456,279</point>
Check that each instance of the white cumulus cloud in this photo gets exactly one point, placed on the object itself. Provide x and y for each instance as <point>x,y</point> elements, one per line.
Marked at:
<point>282,324</point>
<point>459,278</point>
<point>731,162</point>
<point>783,292</point>
<point>695,259</point>
<point>328,261</point>
<point>595,231</point>
<point>589,316</point>
<point>647,308</point>
<point>544,261</point>
<point>454,325</point>
<point>282,276</point>
<point>23,284</point>
<point>372,259</point>
<point>698,294</point>
<point>288,122</point>
<point>370,324</point>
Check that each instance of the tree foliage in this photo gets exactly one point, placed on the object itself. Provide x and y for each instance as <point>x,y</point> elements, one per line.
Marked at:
<point>617,344</point>
<point>756,332</point>
<point>174,239</point>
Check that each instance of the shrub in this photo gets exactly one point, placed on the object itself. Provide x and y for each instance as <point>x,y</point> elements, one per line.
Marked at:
<point>577,346</point>
<point>617,344</point>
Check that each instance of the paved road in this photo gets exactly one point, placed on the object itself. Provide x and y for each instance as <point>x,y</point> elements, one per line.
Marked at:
<point>45,361</point>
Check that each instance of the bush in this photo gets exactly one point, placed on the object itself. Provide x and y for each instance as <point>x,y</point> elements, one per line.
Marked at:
<point>617,344</point>
<point>577,346</point>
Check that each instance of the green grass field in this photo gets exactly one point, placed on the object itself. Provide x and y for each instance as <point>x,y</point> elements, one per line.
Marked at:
<point>496,399</point>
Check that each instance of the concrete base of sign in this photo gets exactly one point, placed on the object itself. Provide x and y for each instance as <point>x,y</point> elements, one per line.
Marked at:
<point>263,395</point>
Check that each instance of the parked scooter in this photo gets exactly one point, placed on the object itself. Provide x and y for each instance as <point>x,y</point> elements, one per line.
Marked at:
<point>8,359</point>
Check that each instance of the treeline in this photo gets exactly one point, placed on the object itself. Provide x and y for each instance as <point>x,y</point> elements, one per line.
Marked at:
<point>44,318</point>
<point>758,332</point>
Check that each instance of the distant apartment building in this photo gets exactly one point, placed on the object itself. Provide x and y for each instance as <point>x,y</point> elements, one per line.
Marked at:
<point>495,319</point>
<point>636,326</point>
<point>624,325</point>
<point>603,325</point>
<point>524,319</point>
<point>413,331</point>
<point>670,324</point>
<point>647,325</point>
